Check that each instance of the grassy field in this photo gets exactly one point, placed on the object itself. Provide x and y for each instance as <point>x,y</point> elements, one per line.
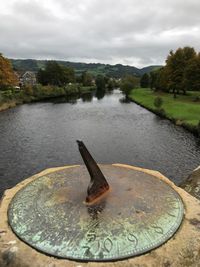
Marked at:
<point>185,109</point>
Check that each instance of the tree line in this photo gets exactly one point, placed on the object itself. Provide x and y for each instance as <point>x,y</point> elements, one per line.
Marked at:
<point>58,75</point>
<point>54,74</point>
<point>180,74</point>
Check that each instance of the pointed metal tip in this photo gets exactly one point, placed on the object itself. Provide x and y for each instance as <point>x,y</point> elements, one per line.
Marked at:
<point>79,142</point>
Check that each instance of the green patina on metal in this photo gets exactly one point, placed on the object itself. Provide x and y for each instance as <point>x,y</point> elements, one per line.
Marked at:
<point>139,213</point>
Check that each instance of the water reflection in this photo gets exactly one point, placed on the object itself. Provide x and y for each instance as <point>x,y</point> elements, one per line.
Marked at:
<point>124,100</point>
<point>100,94</point>
<point>87,97</point>
<point>41,135</point>
<point>65,99</point>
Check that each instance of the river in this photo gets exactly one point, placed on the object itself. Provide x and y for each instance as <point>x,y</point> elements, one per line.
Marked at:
<point>37,136</point>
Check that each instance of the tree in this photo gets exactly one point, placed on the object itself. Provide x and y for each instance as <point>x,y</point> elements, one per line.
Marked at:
<point>191,78</point>
<point>153,79</point>
<point>7,75</point>
<point>100,82</point>
<point>68,75</point>
<point>42,77</point>
<point>127,84</point>
<point>86,78</point>
<point>176,75</point>
<point>55,74</point>
<point>144,81</point>
<point>110,84</point>
<point>162,80</point>
<point>175,65</point>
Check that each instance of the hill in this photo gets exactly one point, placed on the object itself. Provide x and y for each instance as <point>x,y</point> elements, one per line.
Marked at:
<point>116,71</point>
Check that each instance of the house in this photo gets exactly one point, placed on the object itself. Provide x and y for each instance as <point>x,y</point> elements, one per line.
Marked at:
<point>28,78</point>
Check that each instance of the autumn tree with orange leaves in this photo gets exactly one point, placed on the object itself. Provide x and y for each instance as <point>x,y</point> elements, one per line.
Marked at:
<point>7,75</point>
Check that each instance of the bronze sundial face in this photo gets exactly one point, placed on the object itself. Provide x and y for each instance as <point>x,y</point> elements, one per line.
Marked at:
<point>138,213</point>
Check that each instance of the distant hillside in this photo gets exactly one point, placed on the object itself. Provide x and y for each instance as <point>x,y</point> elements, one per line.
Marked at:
<point>116,71</point>
<point>149,69</point>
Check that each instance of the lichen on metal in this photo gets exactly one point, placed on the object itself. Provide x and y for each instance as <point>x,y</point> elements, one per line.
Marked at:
<point>138,214</point>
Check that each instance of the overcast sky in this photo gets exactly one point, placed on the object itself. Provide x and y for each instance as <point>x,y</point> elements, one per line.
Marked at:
<point>131,32</point>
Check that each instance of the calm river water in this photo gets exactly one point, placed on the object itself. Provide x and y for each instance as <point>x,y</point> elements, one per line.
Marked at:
<point>42,135</point>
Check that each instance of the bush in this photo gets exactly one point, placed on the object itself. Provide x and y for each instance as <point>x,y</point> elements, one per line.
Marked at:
<point>71,88</point>
<point>8,94</point>
<point>28,89</point>
<point>48,91</point>
<point>158,102</point>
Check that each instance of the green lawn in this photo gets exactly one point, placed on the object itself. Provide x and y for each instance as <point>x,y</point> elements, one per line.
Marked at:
<point>183,108</point>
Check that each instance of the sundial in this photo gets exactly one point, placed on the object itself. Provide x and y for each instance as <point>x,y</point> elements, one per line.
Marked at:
<point>122,214</point>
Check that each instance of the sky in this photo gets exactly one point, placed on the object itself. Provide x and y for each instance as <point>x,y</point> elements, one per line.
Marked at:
<point>129,32</point>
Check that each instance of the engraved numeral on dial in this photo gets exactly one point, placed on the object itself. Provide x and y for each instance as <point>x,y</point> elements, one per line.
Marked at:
<point>158,229</point>
<point>133,239</point>
<point>108,245</point>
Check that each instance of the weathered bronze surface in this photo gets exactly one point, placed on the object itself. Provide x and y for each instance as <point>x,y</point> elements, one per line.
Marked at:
<point>139,213</point>
<point>98,184</point>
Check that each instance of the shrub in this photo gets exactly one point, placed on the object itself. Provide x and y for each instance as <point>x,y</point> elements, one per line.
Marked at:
<point>28,89</point>
<point>47,91</point>
<point>71,89</point>
<point>8,94</point>
<point>158,102</point>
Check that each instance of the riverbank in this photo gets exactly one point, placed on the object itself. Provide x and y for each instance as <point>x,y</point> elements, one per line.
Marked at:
<point>192,183</point>
<point>11,98</point>
<point>183,110</point>
<point>7,105</point>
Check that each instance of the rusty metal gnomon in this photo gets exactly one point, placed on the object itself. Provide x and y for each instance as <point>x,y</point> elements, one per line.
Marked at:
<point>98,184</point>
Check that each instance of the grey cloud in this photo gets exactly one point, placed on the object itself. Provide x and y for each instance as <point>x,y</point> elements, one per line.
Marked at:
<point>135,32</point>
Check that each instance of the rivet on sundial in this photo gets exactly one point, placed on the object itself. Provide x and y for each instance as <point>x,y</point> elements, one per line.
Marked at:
<point>135,214</point>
